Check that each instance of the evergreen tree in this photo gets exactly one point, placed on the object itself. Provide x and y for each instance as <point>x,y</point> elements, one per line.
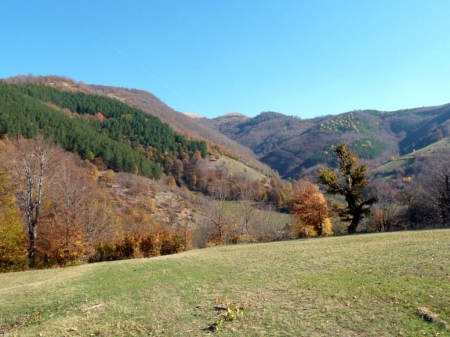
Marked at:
<point>72,121</point>
<point>350,182</point>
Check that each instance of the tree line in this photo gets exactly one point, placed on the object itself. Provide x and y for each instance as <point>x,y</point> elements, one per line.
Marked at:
<point>55,211</point>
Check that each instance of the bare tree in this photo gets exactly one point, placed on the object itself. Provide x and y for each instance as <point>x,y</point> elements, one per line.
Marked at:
<point>436,188</point>
<point>33,167</point>
<point>246,212</point>
<point>388,214</point>
<point>218,221</point>
<point>271,225</point>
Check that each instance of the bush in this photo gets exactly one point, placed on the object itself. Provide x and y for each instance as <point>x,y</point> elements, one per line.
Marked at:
<point>161,240</point>
<point>104,252</point>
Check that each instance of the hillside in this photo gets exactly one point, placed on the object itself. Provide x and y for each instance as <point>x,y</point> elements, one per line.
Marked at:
<point>412,163</point>
<point>116,149</point>
<point>102,130</point>
<point>295,146</point>
<point>292,146</point>
<point>143,100</point>
<point>305,287</point>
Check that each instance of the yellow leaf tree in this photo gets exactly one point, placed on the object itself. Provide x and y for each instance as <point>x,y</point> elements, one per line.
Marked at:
<point>13,249</point>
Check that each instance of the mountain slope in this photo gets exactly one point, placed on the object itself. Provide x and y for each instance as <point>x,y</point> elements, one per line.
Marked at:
<point>295,146</point>
<point>183,124</point>
<point>100,129</point>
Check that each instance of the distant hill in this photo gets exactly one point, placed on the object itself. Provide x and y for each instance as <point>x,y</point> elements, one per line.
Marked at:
<point>292,146</point>
<point>194,116</point>
<point>295,146</point>
<point>412,163</point>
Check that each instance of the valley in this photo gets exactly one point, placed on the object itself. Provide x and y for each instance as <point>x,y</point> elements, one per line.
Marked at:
<point>242,238</point>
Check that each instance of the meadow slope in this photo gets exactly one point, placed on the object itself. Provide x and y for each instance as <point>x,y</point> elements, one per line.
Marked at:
<point>362,285</point>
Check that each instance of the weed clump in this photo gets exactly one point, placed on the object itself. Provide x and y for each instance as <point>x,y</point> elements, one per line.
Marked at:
<point>431,317</point>
<point>232,312</point>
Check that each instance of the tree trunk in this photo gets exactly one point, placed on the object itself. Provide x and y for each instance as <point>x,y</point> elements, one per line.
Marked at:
<point>32,246</point>
<point>352,228</point>
<point>354,224</point>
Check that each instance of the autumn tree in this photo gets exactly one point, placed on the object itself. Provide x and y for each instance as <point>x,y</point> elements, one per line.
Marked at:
<point>309,210</point>
<point>13,250</point>
<point>219,214</point>
<point>171,182</point>
<point>64,233</point>
<point>109,177</point>
<point>33,168</point>
<point>349,181</point>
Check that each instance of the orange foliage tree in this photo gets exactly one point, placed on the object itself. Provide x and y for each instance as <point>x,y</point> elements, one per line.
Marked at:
<point>77,217</point>
<point>309,210</point>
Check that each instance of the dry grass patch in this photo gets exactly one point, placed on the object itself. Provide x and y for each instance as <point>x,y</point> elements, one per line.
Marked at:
<point>431,317</point>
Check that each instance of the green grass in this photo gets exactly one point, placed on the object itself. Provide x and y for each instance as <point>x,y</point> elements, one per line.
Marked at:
<point>236,168</point>
<point>390,169</point>
<point>363,285</point>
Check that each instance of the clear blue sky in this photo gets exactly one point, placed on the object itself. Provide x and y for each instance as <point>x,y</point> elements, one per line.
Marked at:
<point>210,57</point>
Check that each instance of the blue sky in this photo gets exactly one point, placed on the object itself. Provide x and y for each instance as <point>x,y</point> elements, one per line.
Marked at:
<point>298,57</point>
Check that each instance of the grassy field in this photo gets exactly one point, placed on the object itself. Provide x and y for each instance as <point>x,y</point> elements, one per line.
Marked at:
<point>362,285</point>
<point>236,168</point>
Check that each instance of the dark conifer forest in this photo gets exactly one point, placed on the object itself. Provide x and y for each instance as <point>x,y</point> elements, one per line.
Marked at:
<point>100,129</point>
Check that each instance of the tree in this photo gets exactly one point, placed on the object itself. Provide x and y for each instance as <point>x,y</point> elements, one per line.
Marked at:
<point>33,167</point>
<point>245,211</point>
<point>12,237</point>
<point>432,206</point>
<point>219,213</point>
<point>63,234</point>
<point>389,214</point>
<point>310,210</point>
<point>349,181</point>
<point>109,177</point>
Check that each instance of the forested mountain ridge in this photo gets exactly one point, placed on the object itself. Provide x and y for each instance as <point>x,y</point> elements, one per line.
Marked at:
<point>295,146</point>
<point>143,100</point>
<point>102,130</point>
<point>290,145</point>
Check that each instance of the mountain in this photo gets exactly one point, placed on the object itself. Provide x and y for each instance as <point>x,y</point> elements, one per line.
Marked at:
<point>145,101</point>
<point>295,146</point>
<point>102,130</point>
<point>292,146</point>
